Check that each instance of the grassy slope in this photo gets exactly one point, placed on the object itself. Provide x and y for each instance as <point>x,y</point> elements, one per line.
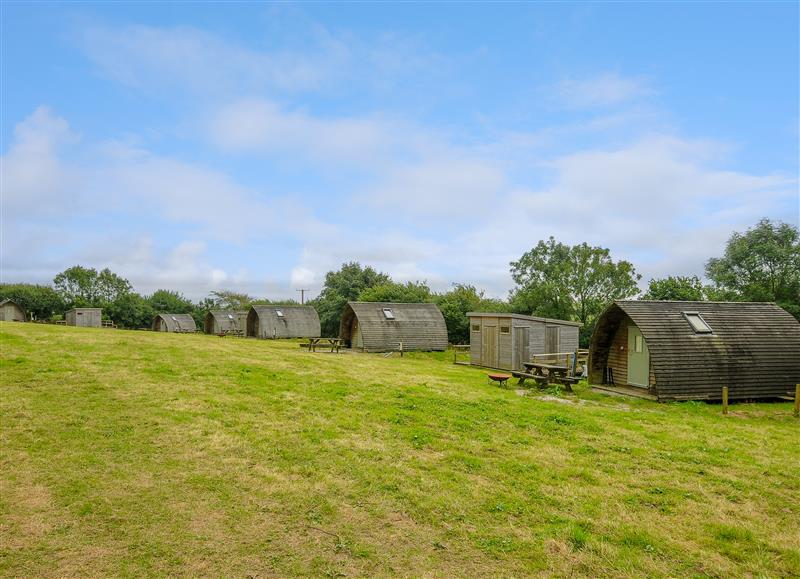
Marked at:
<point>138,453</point>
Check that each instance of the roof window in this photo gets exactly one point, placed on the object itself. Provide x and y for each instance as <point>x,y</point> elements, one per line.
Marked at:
<point>388,313</point>
<point>279,313</point>
<point>697,322</point>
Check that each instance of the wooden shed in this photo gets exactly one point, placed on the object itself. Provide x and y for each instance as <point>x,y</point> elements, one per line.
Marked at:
<point>505,341</point>
<point>84,317</point>
<point>180,323</point>
<point>273,321</point>
<point>382,326</point>
<point>11,311</point>
<point>225,322</point>
<point>672,350</point>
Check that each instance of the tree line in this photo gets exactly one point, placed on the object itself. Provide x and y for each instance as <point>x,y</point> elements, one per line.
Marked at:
<point>553,280</point>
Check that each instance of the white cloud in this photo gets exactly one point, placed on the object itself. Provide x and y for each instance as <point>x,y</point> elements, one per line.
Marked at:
<point>261,126</point>
<point>604,90</point>
<point>34,177</point>
<point>155,59</point>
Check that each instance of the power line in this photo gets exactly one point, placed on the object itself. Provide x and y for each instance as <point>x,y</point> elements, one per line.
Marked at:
<point>303,295</point>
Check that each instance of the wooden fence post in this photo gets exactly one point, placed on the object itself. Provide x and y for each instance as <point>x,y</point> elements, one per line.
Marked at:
<point>724,399</point>
<point>797,400</point>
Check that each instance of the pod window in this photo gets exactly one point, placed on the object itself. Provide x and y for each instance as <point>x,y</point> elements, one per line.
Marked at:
<point>505,329</point>
<point>388,313</point>
<point>697,323</point>
<point>279,313</point>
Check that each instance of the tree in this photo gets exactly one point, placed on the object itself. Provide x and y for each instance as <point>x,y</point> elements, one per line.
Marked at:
<point>455,304</point>
<point>677,288</point>
<point>170,302</point>
<point>40,302</point>
<point>231,300</point>
<point>762,264</point>
<point>342,286</point>
<point>570,283</point>
<point>411,293</point>
<point>131,311</point>
<point>83,286</point>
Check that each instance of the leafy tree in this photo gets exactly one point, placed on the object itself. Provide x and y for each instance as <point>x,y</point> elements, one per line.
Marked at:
<point>455,304</point>
<point>677,288</point>
<point>231,300</point>
<point>131,311</point>
<point>411,293</point>
<point>570,283</point>
<point>342,286</point>
<point>170,302</point>
<point>40,302</point>
<point>762,264</point>
<point>83,286</point>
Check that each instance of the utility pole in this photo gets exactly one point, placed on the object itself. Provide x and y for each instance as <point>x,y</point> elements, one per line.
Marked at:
<point>303,295</point>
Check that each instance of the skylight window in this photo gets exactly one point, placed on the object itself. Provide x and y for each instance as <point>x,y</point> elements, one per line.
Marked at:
<point>388,313</point>
<point>174,319</point>
<point>697,322</point>
<point>279,313</point>
<point>230,316</point>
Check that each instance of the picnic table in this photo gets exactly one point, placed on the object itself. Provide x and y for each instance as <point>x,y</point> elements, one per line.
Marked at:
<point>313,343</point>
<point>544,374</point>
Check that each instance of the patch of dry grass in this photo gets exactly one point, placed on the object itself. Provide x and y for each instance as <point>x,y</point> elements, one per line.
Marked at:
<point>137,453</point>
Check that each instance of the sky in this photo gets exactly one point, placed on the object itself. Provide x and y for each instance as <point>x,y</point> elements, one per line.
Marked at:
<point>256,146</point>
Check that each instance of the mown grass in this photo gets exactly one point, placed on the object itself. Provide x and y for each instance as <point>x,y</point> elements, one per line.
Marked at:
<point>136,453</point>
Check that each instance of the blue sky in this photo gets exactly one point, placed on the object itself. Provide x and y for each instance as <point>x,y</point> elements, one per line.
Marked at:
<point>256,146</point>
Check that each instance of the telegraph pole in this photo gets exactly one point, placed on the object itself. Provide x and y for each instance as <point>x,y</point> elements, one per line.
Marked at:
<point>303,295</point>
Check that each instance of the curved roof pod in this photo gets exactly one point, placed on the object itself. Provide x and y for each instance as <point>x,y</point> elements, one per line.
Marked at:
<point>183,323</point>
<point>274,321</point>
<point>11,311</point>
<point>226,321</point>
<point>381,326</point>
<point>696,348</point>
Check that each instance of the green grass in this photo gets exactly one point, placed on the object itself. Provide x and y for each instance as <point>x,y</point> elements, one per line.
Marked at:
<point>136,453</point>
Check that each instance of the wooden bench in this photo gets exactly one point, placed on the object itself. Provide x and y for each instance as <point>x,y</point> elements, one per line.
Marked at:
<point>501,379</point>
<point>522,376</point>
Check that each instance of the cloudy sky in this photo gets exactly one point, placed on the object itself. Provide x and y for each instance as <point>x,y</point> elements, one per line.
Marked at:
<point>255,146</point>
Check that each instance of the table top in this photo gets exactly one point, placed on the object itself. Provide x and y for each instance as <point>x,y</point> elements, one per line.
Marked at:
<point>544,366</point>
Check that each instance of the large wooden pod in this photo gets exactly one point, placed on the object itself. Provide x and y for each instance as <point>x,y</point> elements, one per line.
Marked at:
<point>274,321</point>
<point>180,323</point>
<point>691,350</point>
<point>11,311</point>
<point>505,341</point>
<point>383,326</point>
<point>84,317</point>
<point>225,322</point>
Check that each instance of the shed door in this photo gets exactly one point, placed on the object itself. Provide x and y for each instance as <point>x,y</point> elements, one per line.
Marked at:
<point>551,335</point>
<point>520,347</point>
<point>489,340</point>
<point>638,358</point>
<point>355,335</point>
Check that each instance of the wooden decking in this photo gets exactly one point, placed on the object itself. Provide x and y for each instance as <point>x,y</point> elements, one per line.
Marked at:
<point>623,391</point>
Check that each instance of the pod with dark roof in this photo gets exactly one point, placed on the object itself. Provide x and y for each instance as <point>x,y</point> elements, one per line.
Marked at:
<point>179,323</point>
<point>382,326</point>
<point>689,350</point>
<point>273,321</point>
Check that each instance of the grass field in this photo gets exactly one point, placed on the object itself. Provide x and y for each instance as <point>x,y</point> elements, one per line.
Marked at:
<point>136,453</point>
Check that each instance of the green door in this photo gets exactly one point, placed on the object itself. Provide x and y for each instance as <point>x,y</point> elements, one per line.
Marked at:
<point>638,358</point>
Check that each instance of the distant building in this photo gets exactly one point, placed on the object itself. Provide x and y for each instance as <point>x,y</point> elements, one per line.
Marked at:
<point>224,322</point>
<point>180,323</point>
<point>690,350</point>
<point>273,321</point>
<point>11,311</point>
<point>84,317</point>
<point>383,326</point>
<point>505,341</point>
